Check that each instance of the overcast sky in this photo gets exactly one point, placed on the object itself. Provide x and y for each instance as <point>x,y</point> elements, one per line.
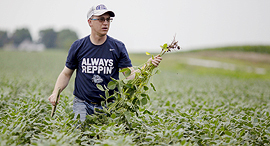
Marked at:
<point>144,25</point>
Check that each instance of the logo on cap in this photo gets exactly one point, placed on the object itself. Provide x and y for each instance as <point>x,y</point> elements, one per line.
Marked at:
<point>101,7</point>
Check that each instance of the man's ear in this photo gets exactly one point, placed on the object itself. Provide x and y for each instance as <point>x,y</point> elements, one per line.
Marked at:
<point>90,22</point>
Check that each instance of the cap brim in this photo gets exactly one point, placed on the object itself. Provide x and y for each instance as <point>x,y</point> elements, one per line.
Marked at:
<point>111,13</point>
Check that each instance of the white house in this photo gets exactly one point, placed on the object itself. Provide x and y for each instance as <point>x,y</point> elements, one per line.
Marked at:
<point>27,45</point>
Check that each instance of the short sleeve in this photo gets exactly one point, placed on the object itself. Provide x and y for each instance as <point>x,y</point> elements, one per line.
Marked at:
<point>124,60</point>
<point>72,61</point>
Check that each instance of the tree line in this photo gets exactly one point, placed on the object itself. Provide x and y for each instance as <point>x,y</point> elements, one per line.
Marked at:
<point>49,37</point>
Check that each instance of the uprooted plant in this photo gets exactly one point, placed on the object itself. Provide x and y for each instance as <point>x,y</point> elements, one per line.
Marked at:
<point>130,94</point>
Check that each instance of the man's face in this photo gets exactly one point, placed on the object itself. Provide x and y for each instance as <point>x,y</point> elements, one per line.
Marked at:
<point>100,24</point>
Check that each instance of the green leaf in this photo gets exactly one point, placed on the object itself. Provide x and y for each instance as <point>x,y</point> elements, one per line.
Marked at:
<point>147,112</point>
<point>149,138</point>
<point>153,86</point>
<point>165,49</point>
<point>173,105</point>
<point>228,133</point>
<point>145,95</point>
<point>113,116</point>
<point>107,95</point>
<point>157,71</point>
<point>126,71</point>
<point>128,85</point>
<point>127,115</point>
<point>242,132</point>
<point>250,125</point>
<point>100,87</point>
<point>167,103</point>
<point>145,88</point>
<point>102,97</point>
<point>147,53</point>
<point>144,101</point>
<point>123,70</point>
<point>116,81</point>
<point>112,85</point>
<point>183,142</point>
<point>165,46</point>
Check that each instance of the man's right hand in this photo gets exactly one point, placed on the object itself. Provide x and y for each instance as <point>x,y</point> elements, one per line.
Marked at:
<point>52,99</point>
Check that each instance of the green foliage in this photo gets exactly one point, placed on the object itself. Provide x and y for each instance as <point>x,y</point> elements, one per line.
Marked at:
<point>25,115</point>
<point>48,37</point>
<point>3,38</point>
<point>61,39</point>
<point>20,35</point>
<point>185,109</point>
<point>65,38</point>
<point>132,94</point>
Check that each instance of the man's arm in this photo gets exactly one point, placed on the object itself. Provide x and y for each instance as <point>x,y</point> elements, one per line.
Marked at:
<point>62,82</point>
<point>155,62</point>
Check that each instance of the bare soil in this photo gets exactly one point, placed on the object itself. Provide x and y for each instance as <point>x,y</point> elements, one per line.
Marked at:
<point>246,56</point>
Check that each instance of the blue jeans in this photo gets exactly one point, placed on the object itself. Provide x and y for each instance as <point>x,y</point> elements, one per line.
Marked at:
<point>83,108</point>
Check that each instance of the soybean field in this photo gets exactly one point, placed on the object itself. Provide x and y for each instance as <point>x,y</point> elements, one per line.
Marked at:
<point>211,97</point>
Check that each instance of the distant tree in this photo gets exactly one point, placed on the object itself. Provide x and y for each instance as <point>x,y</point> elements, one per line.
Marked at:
<point>20,35</point>
<point>3,38</point>
<point>65,38</point>
<point>48,37</point>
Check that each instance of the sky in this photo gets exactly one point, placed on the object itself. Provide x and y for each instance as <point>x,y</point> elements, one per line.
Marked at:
<point>144,25</point>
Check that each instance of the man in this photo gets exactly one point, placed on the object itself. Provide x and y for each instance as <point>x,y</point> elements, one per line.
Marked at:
<point>96,58</point>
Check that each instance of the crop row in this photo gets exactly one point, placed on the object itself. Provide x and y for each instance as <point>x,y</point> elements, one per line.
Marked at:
<point>185,109</point>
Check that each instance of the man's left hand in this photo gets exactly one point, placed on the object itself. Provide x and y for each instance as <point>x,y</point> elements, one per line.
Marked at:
<point>157,59</point>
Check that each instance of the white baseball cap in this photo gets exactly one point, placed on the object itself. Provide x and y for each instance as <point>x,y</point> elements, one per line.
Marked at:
<point>98,10</point>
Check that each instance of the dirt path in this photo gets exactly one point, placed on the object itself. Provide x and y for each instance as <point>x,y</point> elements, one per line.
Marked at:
<point>247,56</point>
